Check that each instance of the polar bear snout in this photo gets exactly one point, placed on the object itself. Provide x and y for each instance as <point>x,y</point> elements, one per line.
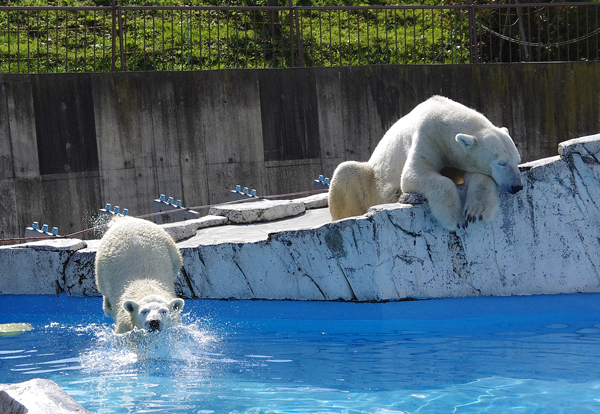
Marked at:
<point>153,319</point>
<point>154,325</point>
<point>515,189</point>
<point>511,188</point>
<point>508,177</point>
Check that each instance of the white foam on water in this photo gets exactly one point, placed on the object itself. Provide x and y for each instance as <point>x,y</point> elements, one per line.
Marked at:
<point>177,343</point>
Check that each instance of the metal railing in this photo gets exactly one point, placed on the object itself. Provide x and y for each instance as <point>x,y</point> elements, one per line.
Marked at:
<point>93,39</point>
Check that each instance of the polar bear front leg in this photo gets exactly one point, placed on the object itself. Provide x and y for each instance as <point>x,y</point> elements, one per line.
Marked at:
<point>441,194</point>
<point>482,197</point>
<point>108,311</point>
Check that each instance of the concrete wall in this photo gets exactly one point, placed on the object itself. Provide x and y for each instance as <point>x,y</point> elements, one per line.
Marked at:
<point>69,143</point>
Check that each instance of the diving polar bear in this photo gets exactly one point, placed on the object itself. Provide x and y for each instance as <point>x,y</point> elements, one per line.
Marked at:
<point>136,265</point>
<point>437,145</point>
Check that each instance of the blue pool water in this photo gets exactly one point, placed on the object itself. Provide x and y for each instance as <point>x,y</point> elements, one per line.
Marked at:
<point>538,354</point>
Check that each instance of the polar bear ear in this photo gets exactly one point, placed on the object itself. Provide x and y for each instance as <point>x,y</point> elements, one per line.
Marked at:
<point>467,142</point>
<point>176,304</point>
<point>505,129</point>
<point>130,306</point>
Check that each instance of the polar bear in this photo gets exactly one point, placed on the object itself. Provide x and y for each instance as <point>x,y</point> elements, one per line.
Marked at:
<point>438,145</point>
<point>136,265</point>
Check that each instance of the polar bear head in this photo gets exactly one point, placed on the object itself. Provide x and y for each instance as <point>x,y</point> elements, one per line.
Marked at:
<point>154,312</point>
<point>494,153</point>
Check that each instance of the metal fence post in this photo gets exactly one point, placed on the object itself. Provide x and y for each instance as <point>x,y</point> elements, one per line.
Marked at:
<point>473,34</point>
<point>114,44</point>
<point>299,34</point>
<point>522,31</point>
<point>291,5</point>
<point>120,20</point>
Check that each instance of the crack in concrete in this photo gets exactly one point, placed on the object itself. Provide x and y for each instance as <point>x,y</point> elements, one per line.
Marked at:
<point>428,246</point>
<point>577,182</point>
<point>245,278</point>
<point>408,233</point>
<point>587,153</point>
<point>581,184</point>
<point>204,264</point>
<point>460,265</point>
<point>188,281</point>
<point>295,260</point>
<point>500,272</point>
<point>585,250</point>
<point>348,282</point>
<point>82,275</point>
<point>316,285</point>
<point>64,288</point>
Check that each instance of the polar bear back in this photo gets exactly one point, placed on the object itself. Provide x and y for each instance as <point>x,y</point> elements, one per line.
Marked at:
<point>433,123</point>
<point>134,249</point>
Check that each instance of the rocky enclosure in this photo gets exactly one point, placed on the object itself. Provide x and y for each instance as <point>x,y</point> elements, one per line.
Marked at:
<point>544,240</point>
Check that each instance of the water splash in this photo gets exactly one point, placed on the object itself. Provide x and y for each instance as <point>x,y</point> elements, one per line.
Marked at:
<point>97,222</point>
<point>179,343</point>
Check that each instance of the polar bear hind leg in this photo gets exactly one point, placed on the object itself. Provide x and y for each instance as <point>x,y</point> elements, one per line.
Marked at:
<point>351,190</point>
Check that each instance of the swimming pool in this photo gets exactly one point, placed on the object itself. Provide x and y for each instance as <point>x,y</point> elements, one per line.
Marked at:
<point>537,354</point>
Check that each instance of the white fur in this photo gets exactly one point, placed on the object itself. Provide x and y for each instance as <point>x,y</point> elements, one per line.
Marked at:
<point>414,154</point>
<point>136,265</point>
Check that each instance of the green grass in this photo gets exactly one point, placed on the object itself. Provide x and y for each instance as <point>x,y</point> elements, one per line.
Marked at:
<point>195,39</point>
<point>77,41</point>
<point>232,3</point>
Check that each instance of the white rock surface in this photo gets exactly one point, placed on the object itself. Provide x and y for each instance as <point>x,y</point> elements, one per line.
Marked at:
<point>315,201</point>
<point>39,396</point>
<point>260,210</point>
<point>544,240</point>
<point>36,268</point>
<point>182,230</point>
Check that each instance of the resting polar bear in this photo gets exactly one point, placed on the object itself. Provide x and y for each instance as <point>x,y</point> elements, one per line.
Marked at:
<point>136,265</point>
<point>437,145</point>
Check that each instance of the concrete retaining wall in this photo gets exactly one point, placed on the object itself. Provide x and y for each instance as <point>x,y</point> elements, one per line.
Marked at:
<point>69,143</point>
<point>544,240</point>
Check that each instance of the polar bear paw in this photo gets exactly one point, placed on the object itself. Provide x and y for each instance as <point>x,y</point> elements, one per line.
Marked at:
<point>456,221</point>
<point>478,210</point>
<point>482,198</point>
<point>453,219</point>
